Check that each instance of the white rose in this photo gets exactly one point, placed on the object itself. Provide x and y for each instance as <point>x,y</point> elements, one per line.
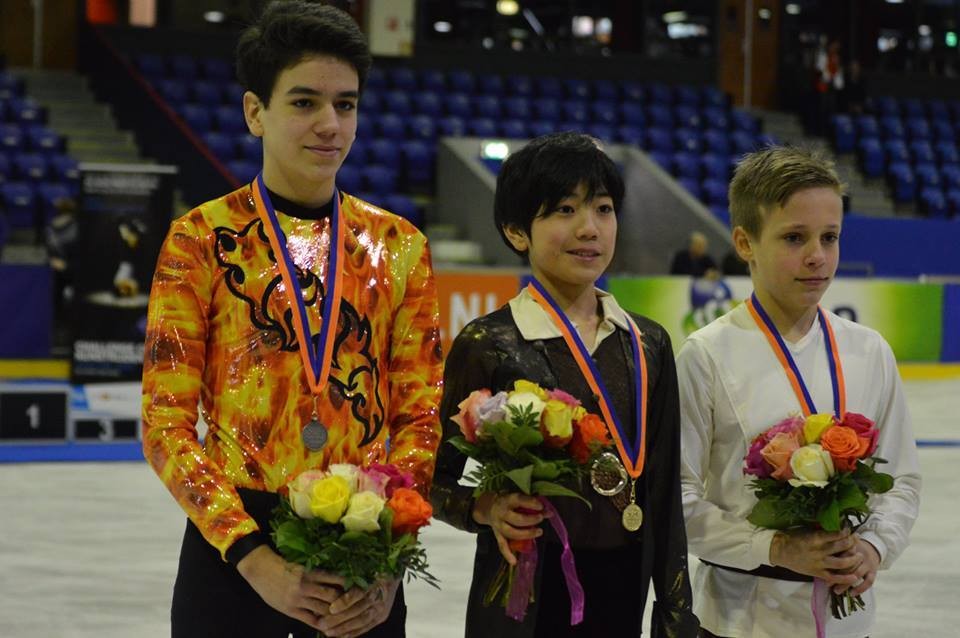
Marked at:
<point>363,513</point>
<point>811,465</point>
<point>300,492</point>
<point>347,471</point>
<point>520,399</point>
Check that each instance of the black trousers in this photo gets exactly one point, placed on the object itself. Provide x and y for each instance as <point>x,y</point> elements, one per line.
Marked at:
<point>212,600</point>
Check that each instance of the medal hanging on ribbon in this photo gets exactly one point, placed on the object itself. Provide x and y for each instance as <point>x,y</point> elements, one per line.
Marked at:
<point>783,355</point>
<point>631,455</point>
<point>316,354</point>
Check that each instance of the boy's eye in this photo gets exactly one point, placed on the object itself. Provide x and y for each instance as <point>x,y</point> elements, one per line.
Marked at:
<point>831,238</point>
<point>346,105</point>
<point>605,208</point>
<point>303,103</point>
<point>564,208</point>
<point>793,238</point>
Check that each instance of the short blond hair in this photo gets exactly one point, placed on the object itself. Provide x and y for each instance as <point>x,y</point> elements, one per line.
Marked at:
<point>768,177</point>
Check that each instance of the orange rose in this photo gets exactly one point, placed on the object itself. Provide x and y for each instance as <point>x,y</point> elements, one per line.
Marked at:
<point>777,453</point>
<point>844,446</point>
<point>589,433</point>
<point>410,510</point>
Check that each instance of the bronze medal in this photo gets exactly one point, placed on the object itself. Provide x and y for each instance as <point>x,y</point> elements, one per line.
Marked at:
<point>314,435</point>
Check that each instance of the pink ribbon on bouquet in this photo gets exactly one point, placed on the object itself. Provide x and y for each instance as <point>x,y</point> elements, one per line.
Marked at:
<point>527,569</point>
<point>818,605</point>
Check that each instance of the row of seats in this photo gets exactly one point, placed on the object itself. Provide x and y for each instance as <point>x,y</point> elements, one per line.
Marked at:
<point>847,130</point>
<point>22,201</point>
<point>22,110</point>
<point>32,137</point>
<point>11,86</point>
<point>185,67</point>
<point>886,105</point>
<point>38,167</point>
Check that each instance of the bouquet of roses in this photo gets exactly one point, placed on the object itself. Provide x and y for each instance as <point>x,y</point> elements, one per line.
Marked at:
<point>359,523</point>
<point>816,473</point>
<point>538,442</point>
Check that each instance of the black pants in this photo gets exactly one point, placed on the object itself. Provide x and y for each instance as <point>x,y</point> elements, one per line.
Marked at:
<point>212,600</point>
<point>608,611</point>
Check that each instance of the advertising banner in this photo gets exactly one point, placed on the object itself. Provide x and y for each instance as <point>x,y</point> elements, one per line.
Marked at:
<point>123,215</point>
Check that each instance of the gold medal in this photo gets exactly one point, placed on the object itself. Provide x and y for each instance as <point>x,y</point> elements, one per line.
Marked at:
<point>632,517</point>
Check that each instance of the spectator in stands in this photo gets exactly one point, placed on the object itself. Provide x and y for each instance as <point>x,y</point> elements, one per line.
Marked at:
<point>224,337</point>
<point>853,97</point>
<point>767,360</point>
<point>556,203</point>
<point>694,259</point>
<point>61,240</point>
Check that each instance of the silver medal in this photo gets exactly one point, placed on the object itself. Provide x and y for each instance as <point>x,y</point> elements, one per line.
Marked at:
<point>314,435</point>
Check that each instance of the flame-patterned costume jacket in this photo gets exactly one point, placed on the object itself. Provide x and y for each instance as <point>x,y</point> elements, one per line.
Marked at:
<point>220,338</point>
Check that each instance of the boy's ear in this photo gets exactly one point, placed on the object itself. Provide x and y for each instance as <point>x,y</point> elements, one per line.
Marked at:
<point>742,244</point>
<point>517,238</point>
<point>252,110</point>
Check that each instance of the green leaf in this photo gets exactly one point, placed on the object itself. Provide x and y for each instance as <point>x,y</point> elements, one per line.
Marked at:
<point>770,513</point>
<point>850,496</point>
<point>549,488</point>
<point>523,437</point>
<point>547,470</point>
<point>829,516</point>
<point>468,449</point>
<point>521,477</point>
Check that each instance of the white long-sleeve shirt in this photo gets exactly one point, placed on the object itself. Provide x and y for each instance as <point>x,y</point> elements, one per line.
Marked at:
<point>732,388</point>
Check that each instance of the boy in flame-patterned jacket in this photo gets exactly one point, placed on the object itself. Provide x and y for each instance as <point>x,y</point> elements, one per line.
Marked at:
<point>224,343</point>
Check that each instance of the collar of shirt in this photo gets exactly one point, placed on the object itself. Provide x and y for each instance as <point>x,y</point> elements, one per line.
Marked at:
<point>534,322</point>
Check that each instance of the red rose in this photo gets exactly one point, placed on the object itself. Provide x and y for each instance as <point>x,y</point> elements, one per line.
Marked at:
<point>864,428</point>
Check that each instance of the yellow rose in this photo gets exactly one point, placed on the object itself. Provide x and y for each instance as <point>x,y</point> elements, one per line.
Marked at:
<point>329,498</point>
<point>556,423</point>
<point>348,471</point>
<point>811,465</point>
<point>815,425</point>
<point>363,513</point>
<point>532,388</point>
<point>299,492</point>
<point>579,412</point>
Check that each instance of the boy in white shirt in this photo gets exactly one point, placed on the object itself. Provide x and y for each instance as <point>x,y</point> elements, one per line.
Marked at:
<point>786,213</point>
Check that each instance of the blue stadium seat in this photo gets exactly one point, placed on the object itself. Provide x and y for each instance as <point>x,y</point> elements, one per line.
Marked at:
<point>937,110</point>
<point>459,104</point>
<point>918,128</point>
<point>428,103</point>
<point>26,110</point>
<point>744,121</point>
<point>233,94</point>
<point>151,65</point>
<point>661,94</point>
<point>376,79</point>
<point>396,102</point>
<point>402,78</point>
<point>390,126</point>
<point>404,207</point>
<point>712,96</point>
<point>912,107</point>
<point>519,85</point>
<point>661,158</point>
<point>630,134</point>
<point>371,102</point>
<point>550,87</point>
<point>950,175</point>
<point>359,152</point>
<point>867,126</point>
<point>486,105</point>
<point>517,107</point>
<point>606,90</point>
<point>461,82</point>
<point>576,111</point>
<point>871,156</point>
<point>903,182</point>
<point>30,166</point>
<point>742,142</point>
<point>896,151</point>
<point>204,92</point>
<point>349,179</point>
<point>64,168</point>
<point>536,128</point>
<point>953,201</point>
<point>892,128</point>
<point>197,117</point>
<point>490,84</point>
<point>433,80</point>
<point>687,115</point>
<point>690,184</point>
<point>422,127</point>
<point>942,130</point>
<point>452,126</point>
<point>947,152</point>
<point>715,117</point>
<point>250,147</point>
<point>632,113</point>
<point>217,69</point>
<point>417,164</point>
<point>715,166</point>
<point>6,171</point>
<point>174,92</point>
<point>922,151</point>
<point>933,203</point>
<point>603,132</point>
<point>576,89</point>
<point>514,129</point>
<point>844,133</point>
<point>44,140</point>
<point>378,179</point>
<point>716,141</point>
<point>49,194</point>
<point>243,170</point>
<point>927,174</point>
<point>482,127</point>
<point>660,115</point>
<point>685,164</point>
<point>886,106</point>
<point>688,139</point>
<point>659,139</point>
<point>687,95</point>
<point>11,86</point>
<point>604,112</point>
<point>385,152</point>
<point>367,126</point>
<point>19,202</point>
<point>547,108</point>
<point>631,91</point>
<point>229,119</point>
<point>220,144</point>
<point>714,191</point>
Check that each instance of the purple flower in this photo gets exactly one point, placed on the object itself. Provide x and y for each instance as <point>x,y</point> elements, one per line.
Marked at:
<point>493,410</point>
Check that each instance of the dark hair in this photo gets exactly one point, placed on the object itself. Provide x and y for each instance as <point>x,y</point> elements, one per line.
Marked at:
<point>533,180</point>
<point>289,31</point>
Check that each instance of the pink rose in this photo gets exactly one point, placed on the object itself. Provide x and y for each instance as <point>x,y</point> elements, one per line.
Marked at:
<point>396,477</point>
<point>777,453</point>
<point>567,398</point>
<point>468,419</point>
<point>373,480</point>
<point>756,465</point>
<point>864,428</point>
